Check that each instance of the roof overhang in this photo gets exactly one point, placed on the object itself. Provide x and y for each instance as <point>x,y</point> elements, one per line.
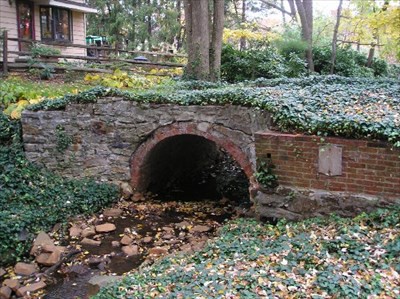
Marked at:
<point>72,5</point>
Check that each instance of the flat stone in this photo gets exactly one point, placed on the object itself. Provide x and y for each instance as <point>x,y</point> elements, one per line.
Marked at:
<point>41,239</point>
<point>88,232</point>
<point>112,212</point>
<point>5,292</point>
<point>158,251</point>
<point>75,231</point>
<point>2,272</point>
<point>200,229</point>
<point>31,288</point>
<point>86,241</point>
<point>25,269</point>
<point>105,228</point>
<point>13,284</point>
<point>130,250</point>
<point>126,240</point>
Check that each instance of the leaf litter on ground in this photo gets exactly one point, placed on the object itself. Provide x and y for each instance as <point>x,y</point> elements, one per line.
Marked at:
<point>316,258</point>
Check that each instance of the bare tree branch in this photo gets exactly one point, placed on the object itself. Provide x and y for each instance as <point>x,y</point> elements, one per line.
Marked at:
<point>273,5</point>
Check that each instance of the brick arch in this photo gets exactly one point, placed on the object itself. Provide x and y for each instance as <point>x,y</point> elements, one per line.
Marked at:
<point>140,155</point>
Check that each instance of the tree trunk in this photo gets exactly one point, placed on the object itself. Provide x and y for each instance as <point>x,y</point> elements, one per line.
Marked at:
<point>243,19</point>
<point>371,56</point>
<point>198,54</point>
<point>305,10</point>
<point>204,49</point>
<point>181,29</point>
<point>334,39</point>
<point>216,42</point>
<point>293,11</point>
<point>149,29</point>
<point>283,14</point>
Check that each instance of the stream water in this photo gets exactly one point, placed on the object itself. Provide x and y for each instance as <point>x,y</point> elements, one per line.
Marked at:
<point>172,226</point>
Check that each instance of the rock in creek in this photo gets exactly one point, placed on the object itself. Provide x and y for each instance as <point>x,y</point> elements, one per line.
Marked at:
<point>105,228</point>
<point>25,269</point>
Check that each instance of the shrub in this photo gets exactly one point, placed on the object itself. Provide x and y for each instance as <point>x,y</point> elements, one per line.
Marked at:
<point>349,63</point>
<point>251,64</point>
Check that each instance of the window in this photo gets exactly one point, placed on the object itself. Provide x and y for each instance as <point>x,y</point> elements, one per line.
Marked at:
<point>55,23</point>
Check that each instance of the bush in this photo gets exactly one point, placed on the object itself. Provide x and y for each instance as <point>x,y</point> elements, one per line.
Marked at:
<point>349,63</point>
<point>33,199</point>
<point>259,62</point>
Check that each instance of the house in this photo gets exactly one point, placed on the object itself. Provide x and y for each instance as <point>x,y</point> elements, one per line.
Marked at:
<point>56,22</point>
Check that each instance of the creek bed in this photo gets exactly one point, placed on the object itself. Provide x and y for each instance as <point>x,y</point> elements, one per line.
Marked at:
<point>154,226</point>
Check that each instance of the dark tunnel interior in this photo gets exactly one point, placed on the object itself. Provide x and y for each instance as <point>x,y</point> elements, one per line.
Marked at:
<point>191,167</point>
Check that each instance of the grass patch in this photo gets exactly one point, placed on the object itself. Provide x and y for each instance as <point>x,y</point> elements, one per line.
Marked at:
<point>34,199</point>
<point>317,258</point>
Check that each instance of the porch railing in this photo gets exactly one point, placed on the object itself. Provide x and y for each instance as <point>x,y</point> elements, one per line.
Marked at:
<point>102,55</point>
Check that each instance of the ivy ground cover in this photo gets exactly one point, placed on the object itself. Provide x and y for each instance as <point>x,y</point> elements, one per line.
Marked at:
<point>316,258</point>
<point>34,199</point>
<point>323,105</point>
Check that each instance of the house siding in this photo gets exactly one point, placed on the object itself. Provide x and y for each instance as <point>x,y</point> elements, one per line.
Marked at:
<point>8,21</point>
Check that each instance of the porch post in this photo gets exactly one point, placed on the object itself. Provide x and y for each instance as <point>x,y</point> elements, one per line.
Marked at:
<point>5,52</point>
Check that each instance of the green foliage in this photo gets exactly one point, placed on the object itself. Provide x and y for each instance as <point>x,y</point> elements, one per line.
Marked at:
<point>327,257</point>
<point>250,64</point>
<point>34,199</point>
<point>40,50</point>
<point>265,175</point>
<point>16,94</point>
<point>349,63</point>
<point>63,140</point>
<point>321,105</point>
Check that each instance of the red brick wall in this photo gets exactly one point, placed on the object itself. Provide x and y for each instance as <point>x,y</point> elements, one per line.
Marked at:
<point>367,167</point>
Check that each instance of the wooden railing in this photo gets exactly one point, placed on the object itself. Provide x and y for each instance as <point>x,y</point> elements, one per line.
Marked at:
<point>102,55</point>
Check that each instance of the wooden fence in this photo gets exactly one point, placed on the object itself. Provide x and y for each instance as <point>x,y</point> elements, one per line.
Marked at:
<point>103,56</point>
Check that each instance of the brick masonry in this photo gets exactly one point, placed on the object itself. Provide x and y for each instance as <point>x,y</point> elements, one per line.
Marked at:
<point>370,170</point>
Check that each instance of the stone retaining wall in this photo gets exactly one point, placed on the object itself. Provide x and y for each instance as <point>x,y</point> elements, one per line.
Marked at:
<point>100,139</point>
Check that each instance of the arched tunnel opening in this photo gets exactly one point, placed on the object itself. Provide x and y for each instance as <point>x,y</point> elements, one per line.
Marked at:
<point>191,168</point>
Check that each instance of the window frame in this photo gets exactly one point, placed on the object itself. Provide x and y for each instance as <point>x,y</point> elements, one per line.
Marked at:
<point>51,16</point>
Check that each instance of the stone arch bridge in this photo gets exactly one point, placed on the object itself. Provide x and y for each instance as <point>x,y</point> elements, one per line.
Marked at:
<point>119,140</point>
